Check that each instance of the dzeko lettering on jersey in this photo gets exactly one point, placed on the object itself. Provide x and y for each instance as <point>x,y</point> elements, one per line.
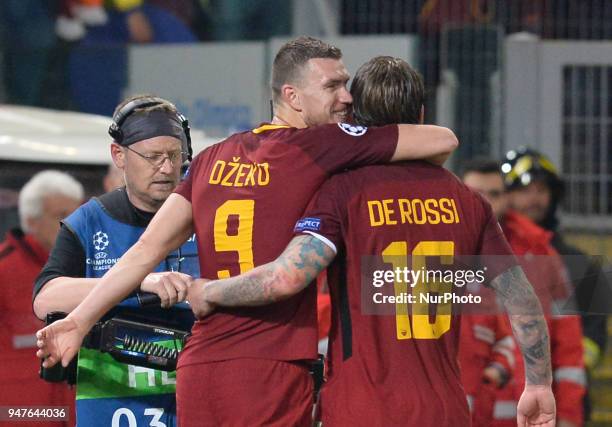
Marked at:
<point>412,211</point>
<point>236,174</point>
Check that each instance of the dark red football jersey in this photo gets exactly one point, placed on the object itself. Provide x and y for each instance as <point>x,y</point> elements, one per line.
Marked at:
<point>390,365</point>
<point>246,194</point>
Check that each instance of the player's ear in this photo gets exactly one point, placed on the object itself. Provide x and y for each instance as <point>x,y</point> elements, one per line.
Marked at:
<point>291,97</point>
<point>118,155</point>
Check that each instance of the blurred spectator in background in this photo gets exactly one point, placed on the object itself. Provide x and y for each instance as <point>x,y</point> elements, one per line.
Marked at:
<point>27,38</point>
<point>98,64</point>
<point>113,178</point>
<point>138,16</point>
<point>486,356</point>
<point>75,15</point>
<point>251,20</point>
<point>544,269</point>
<point>536,191</point>
<point>435,14</point>
<point>522,15</point>
<point>46,199</point>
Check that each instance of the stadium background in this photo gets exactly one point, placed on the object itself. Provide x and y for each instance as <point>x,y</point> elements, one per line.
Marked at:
<point>501,73</point>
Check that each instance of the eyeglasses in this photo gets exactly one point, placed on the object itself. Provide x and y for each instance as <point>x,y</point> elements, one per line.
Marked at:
<point>157,160</point>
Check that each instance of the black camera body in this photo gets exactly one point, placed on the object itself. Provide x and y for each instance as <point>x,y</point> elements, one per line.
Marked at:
<point>123,340</point>
<point>57,373</point>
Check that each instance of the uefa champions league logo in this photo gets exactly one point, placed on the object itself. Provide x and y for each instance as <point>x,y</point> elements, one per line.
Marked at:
<point>100,240</point>
<point>353,130</point>
<point>100,260</point>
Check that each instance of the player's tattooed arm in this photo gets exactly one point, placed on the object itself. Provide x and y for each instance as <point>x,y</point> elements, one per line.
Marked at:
<point>303,259</point>
<point>528,323</point>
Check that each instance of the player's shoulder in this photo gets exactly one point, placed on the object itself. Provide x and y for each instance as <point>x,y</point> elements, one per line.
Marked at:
<point>278,133</point>
<point>335,129</point>
<point>248,140</point>
<point>334,132</point>
<point>214,151</point>
<point>479,204</point>
<point>312,135</point>
<point>269,135</point>
<point>221,144</point>
<point>463,190</point>
<point>426,168</point>
<point>407,171</point>
<point>441,179</point>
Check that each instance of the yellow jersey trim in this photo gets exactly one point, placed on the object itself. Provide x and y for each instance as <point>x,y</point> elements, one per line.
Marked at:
<point>268,127</point>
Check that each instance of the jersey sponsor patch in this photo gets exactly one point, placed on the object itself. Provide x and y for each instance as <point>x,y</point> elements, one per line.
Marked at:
<point>353,130</point>
<point>307,224</point>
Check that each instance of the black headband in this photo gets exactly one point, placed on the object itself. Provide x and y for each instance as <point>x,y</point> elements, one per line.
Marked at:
<point>141,126</point>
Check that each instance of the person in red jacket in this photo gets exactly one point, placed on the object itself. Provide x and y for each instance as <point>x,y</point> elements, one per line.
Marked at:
<point>536,189</point>
<point>545,271</point>
<point>47,198</point>
<point>487,359</point>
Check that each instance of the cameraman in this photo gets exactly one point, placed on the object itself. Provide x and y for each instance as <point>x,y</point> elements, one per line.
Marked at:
<point>151,143</point>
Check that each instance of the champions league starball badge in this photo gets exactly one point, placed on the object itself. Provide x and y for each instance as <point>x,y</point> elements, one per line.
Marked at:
<point>353,130</point>
<point>100,240</point>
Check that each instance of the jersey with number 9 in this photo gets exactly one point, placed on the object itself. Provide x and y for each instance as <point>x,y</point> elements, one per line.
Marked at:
<point>246,194</point>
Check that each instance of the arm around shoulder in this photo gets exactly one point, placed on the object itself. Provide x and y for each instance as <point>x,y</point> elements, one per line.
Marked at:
<point>303,259</point>
<point>425,142</point>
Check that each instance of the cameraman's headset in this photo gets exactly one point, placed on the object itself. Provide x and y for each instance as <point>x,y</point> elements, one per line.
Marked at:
<point>124,112</point>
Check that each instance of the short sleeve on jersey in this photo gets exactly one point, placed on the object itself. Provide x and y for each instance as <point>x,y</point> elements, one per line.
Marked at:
<point>185,187</point>
<point>323,217</point>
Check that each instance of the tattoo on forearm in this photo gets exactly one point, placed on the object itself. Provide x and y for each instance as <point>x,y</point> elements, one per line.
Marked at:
<point>253,289</point>
<point>303,259</point>
<point>528,323</point>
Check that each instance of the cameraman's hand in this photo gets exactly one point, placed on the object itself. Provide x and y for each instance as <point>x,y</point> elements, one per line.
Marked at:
<point>59,342</point>
<point>196,297</point>
<point>170,286</point>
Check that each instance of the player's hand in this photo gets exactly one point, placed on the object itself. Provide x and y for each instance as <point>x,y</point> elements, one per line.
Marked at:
<point>59,342</point>
<point>170,286</point>
<point>536,407</point>
<point>197,299</point>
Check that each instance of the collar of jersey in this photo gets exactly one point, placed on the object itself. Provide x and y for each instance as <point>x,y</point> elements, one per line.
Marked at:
<point>267,127</point>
